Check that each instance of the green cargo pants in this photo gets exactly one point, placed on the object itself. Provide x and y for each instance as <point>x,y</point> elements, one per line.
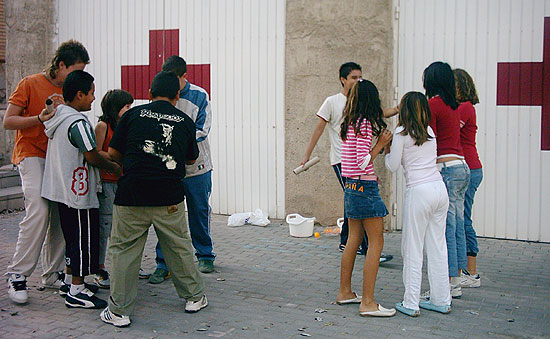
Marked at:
<point>128,237</point>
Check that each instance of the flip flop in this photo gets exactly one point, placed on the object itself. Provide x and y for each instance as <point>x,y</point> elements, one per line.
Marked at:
<point>356,300</point>
<point>381,312</point>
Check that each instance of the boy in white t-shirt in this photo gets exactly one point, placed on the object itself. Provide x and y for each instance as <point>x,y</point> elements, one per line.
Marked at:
<point>331,113</point>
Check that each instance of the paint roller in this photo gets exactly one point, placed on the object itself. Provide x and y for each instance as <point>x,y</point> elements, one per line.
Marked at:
<point>49,105</point>
<point>306,166</point>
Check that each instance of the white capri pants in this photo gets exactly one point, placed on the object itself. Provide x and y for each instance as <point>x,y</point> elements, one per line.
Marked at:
<point>424,222</point>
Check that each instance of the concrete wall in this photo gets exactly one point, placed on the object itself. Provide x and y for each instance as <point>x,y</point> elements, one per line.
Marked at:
<point>320,36</point>
<point>30,34</point>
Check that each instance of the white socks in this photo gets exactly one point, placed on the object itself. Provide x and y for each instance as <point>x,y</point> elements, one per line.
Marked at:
<point>68,278</point>
<point>75,289</point>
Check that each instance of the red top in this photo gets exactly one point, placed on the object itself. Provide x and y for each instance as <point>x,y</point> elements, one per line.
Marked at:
<point>446,126</point>
<point>108,177</point>
<point>468,129</point>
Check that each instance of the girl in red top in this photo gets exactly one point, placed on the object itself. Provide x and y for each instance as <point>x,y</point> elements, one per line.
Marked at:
<point>445,122</point>
<point>363,204</point>
<point>466,94</point>
<point>114,104</point>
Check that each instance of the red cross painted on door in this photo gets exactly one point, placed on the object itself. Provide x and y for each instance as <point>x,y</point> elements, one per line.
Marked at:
<point>528,84</point>
<point>136,79</point>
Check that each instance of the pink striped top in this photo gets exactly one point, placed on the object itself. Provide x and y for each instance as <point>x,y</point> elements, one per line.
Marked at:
<point>356,151</point>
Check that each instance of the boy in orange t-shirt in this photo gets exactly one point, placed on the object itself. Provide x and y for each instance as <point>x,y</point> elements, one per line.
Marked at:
<point>26,114</point>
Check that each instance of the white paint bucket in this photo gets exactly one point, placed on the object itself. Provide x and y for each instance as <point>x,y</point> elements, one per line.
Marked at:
<point>299,226</point>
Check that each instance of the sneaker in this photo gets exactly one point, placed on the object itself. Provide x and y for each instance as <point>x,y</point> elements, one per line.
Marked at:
<point>143,274</point>
<point>408,311</point>
<point>429,306</point>
<point>17,288</point>
<point>341,248</point>
<point>84,299</point>
<point>64,290</point>
<point>57,283</point>
<point>469,281</point>
<point>195,306</point>
<point>206,266</point>
<point>114,319</point>
<point>159,276</point>
<point>456,292</point>
<point>102,279</point>
<point>385,257</point>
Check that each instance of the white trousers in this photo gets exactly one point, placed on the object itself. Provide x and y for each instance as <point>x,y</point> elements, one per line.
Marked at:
<point>424,222</point>
<point>40,229</point>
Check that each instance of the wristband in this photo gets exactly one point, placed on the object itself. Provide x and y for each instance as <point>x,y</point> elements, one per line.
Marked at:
<point>38,116</point>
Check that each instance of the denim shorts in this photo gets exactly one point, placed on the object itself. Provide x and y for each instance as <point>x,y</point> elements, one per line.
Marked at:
<point>362,199</point>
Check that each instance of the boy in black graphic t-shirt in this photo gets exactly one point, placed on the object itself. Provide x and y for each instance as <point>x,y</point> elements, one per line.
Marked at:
<point>153,142</point>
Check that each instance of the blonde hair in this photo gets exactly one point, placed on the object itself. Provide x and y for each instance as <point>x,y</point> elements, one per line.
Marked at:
<point>465,87</point>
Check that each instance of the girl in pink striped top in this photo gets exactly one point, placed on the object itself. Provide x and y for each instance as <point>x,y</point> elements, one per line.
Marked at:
<point>365,209</point>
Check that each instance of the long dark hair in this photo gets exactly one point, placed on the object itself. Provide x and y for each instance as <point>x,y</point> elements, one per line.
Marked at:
<point>415,116</point>
<point>465,87</point>
<point>112,103</point>
<point>363,103</point>
<point>439,80</point>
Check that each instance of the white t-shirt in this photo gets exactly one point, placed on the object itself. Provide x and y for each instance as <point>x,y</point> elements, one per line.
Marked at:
<point>331,111</point>
<point>419,162</point>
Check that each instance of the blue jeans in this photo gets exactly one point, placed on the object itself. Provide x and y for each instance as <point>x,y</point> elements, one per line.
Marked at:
<point>345,227</point>
<point>456,180</point>
<point>197,195</point>
<point>362,199</point>
<point>476,176</point>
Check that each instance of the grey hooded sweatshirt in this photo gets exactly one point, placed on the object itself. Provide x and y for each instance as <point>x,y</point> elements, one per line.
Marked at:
<point>68,177</point>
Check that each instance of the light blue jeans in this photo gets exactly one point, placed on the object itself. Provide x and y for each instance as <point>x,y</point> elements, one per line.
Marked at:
<point>476,176</point>
<point>456,180</point>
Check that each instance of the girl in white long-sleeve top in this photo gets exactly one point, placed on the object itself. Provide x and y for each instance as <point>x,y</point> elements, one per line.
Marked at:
<point>425,207</point>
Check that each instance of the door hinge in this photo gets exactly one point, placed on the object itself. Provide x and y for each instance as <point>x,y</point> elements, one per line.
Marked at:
<point>396,93</point>
<point>394,209</point>
<point>396,13</point>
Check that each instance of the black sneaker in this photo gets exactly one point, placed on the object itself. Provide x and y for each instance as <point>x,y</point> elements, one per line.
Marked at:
<point>84,299</point>
<point>385,258</point>
<point>341,248</point>
<point>64,290</point>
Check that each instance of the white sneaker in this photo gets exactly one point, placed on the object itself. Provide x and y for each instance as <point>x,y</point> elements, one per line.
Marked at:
<point>114,319</point>
<point>195,306</point>
<point>468,281</point>
<point>57,283</point>
<point>17,288</point>
<point>456,291</point>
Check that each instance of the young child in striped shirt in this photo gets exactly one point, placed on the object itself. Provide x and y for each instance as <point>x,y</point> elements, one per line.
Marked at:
<point>365,209</point>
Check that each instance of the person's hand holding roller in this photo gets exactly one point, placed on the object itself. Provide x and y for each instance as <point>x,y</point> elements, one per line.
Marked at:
<point>48,112</point>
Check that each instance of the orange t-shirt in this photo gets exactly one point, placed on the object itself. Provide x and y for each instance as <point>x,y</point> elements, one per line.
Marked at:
<point>31,94</point>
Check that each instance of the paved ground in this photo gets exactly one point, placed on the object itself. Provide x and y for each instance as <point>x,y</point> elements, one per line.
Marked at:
<point>269,285</point>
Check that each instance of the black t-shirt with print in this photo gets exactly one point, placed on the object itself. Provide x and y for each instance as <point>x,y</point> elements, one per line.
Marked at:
<point>155,140</point>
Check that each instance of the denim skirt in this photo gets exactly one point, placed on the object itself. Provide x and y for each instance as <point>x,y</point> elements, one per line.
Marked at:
<point>362,199</point>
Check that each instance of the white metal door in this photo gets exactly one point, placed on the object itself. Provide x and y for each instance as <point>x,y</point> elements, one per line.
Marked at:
<point>235,49</point>
<point>514,198</point>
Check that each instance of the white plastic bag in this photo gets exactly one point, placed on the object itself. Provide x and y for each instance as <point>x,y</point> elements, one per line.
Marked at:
<point>258,218</point>
<point>238,219</point>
